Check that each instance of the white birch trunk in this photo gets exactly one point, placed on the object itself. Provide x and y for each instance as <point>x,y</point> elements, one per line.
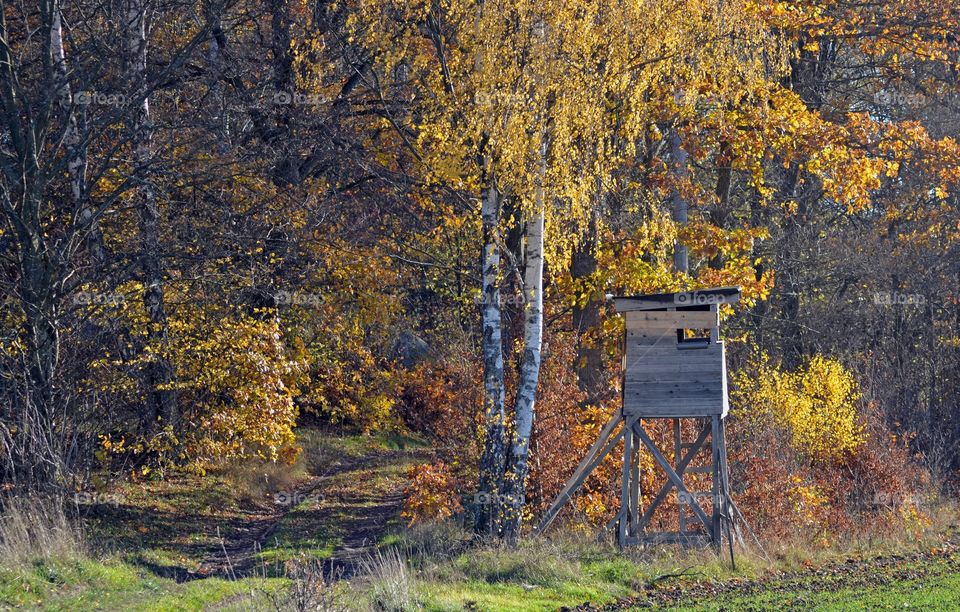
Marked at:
<point>515,479</point>
<point>72,139</point>
<point>514,495</point>
<point>492,463</point>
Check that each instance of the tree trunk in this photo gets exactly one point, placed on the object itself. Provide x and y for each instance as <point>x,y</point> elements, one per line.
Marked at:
<point>586,320</point>
<point>76,153</point>
<point>679,204</point>
<point>42,461</point>
<point>158,373</point>
<point>494,453</point>
<point>514,488</point>
<point>34,459</point>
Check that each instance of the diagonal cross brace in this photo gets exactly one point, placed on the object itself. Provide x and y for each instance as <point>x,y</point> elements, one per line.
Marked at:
<point>667,486</point>
<point>587,465</point>
<point>677,481</point>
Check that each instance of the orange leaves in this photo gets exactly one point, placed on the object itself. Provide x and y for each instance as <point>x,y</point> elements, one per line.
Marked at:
<point>431,493</point>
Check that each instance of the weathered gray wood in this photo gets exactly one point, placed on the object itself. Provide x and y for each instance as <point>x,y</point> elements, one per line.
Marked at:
<point>715,332</point>
<point>658,388</point>
<point>708,371</point>
<point>625,492</point>
<point>724,470</point>
<point>652,337</point>
<point>709,374</point>
<point>660,381</point>
<point>666,361</point>
<point>673,353</point>
<point>657,538</point>
<point>677,458</point>
<point>634,481</point>
<point>668,486</point>
<point>717,484</point>
<point>593,458</point>
<point>726,396</point>
<point>677,481</point>
<point>686,409</point>
<point>699,297</point>
<point>724,500</point>
<point>670,375</point>
<point>676,319</point>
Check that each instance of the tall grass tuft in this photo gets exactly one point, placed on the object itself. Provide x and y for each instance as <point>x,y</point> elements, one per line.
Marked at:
<point>36,529</point>
<point>391,582</point>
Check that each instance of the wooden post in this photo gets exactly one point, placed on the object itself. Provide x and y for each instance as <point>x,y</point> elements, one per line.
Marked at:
<point>717,480</point>
<point>634,483</point>
<point>625,492</point>
<point>677,448</point>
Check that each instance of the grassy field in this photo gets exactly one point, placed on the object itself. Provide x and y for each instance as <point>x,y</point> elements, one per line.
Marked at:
<point>325,534</point>
<point>501,580</point>
<point>85,584</point>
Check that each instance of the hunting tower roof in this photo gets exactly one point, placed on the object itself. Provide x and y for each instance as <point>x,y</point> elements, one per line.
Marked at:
<point>681,300</point>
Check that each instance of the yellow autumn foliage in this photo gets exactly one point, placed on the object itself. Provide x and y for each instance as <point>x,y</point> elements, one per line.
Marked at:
<point>816,404</point>
<point>234,376</point>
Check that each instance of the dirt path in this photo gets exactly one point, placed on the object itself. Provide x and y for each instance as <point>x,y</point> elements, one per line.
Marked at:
<point>343,511</point>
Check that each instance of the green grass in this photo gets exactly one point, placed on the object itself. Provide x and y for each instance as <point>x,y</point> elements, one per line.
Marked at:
<point>166,528</point>
<point>539,576</point>
<point>84,584</point>
<point>938,593</point>
<point>547,576</point>
<point>484,596</point>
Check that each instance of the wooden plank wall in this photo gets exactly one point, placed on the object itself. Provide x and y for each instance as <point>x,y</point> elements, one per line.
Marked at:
<point>667,378</point>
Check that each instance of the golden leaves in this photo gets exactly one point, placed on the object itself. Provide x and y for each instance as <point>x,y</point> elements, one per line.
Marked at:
<point>816,404</point>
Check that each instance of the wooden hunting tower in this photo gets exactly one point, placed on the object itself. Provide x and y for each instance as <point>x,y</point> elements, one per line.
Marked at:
<point>674,367</point>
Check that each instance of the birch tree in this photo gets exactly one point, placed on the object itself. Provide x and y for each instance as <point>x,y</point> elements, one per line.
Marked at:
<point>158,373</point>
<point>497,82</point>
<point>493,459</point>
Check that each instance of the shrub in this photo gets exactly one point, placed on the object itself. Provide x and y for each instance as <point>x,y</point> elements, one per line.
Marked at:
<point>431,493</point>
<point>816,404</point>
<point>839,458</point>
<point>235,380</point>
